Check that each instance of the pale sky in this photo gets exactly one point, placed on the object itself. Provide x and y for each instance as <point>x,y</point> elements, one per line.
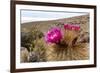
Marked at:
<point>31,16</point>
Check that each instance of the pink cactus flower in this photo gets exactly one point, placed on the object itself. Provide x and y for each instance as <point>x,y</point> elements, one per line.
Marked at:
<point>72,27</point>
<point>54,35</point>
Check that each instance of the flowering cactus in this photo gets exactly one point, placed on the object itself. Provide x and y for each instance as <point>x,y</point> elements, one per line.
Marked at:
<point>54,35</point>
<point>72,27</point>
<point>70,33</point>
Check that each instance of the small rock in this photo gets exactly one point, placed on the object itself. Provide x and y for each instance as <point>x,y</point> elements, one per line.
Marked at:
<point>24,54</point>
<point>33,57</point>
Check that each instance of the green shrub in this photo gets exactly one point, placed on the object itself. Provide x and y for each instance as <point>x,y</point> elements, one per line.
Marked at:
<point>27,39</point>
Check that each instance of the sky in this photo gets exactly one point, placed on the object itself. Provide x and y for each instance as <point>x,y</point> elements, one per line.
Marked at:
<point>32,15</point>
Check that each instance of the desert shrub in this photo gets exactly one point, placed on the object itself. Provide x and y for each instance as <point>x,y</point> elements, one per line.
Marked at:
<point>27,39</point>
<point>36,34</point>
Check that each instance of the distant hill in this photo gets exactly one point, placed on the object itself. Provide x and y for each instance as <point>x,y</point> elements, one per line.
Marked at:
<point>45,25</point>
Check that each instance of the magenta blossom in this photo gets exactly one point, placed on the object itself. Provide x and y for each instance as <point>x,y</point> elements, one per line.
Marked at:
<point>54,35</point>
<point>72,27</point>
